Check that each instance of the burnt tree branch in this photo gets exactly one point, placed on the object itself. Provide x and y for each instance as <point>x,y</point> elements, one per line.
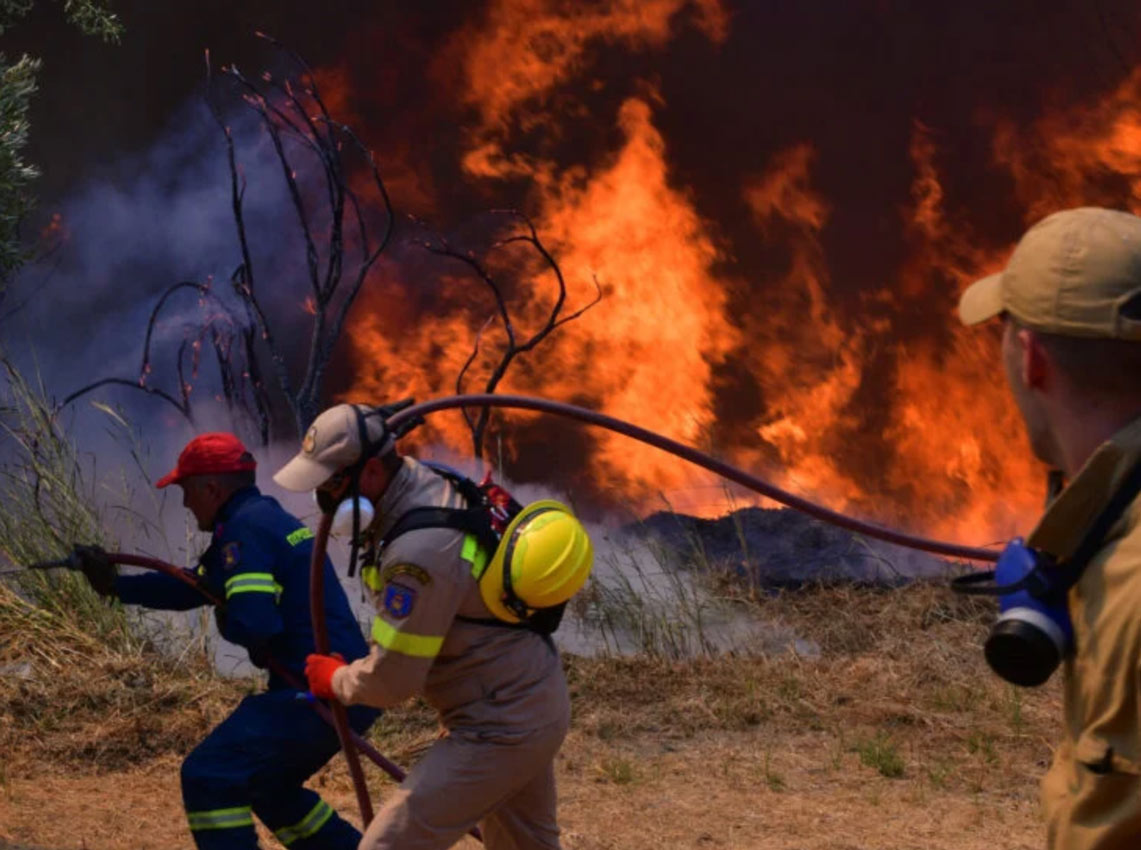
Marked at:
<point>345,221</point>
<point>297,120</point>
<point>516,344</point>
<point>220,326</point>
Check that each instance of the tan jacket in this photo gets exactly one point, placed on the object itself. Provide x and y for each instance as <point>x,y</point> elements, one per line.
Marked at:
<point>474,675</point>
<point>1092,792</point>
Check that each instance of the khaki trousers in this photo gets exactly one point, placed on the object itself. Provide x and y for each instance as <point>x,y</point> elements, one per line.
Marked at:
<point>504,782</point>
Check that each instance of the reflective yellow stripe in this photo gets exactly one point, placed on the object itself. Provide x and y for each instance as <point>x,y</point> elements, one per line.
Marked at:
<point>370,575</point>
<point>473,553</point>
<point>220,819</point>
<point>309,825</point>
<point>241,577</point>
<point>252,583</point>
<point>390,638</point>
<point>274,589</point>
<point>299,536</point>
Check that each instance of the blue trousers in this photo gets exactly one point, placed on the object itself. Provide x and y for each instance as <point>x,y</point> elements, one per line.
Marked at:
<point>255,762</point>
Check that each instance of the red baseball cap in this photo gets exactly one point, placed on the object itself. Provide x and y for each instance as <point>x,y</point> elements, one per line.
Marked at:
<point>210,454</point>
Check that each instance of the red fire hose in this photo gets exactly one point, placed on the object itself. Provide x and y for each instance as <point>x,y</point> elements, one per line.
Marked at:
<point>739,476</point>
<point>321,639</point>
<point>351,742</point>
<point>321,636</point>
<point>360,743</point>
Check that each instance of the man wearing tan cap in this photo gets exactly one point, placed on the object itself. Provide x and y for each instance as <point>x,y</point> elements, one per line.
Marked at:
<point>1070,303</point>
<point>500,691</point>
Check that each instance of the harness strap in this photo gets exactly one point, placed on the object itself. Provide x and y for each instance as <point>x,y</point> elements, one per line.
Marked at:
<point>542,627</point>
<point>1072,568</point>
<point>468,520</point>
<point>475,522</point>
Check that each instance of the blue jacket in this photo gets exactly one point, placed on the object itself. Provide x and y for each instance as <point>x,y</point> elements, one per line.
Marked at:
<point>258,561</point>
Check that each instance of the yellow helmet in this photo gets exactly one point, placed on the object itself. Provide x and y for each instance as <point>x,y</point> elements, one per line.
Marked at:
<point>543,559</point>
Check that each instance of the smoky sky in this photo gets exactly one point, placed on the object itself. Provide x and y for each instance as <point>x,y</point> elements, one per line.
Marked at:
<point>128,153</point>
<point>849,76</point>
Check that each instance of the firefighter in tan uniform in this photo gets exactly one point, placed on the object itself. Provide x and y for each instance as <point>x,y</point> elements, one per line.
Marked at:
<point>499,689</point>
<point>1070,300</point>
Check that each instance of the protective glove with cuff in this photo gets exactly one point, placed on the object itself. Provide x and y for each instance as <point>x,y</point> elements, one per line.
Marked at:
<point>319,670</point>
<point>99,570</point>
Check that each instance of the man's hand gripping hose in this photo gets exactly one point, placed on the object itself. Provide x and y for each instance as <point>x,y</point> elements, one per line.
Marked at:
<point>319,670</point>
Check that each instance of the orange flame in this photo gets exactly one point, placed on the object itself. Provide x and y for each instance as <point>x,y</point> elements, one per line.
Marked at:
<point>878,402</point>
<point>529,46</point>
<point>807,365</point>
<point>1089,155</point>
<point>645,353</point>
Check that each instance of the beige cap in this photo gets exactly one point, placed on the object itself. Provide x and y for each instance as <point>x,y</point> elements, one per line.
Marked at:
<point>1071,274</point>
<point>332,443</point>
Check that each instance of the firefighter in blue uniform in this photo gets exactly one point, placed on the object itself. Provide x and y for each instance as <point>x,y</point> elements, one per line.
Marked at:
<point>256,760</point>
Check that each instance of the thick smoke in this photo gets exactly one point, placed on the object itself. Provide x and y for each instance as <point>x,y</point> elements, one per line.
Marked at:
<point>143,224</point>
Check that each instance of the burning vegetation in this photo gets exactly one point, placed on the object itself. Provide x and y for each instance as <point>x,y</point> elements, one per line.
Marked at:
<point>749,340</point>
<point>758,284</point>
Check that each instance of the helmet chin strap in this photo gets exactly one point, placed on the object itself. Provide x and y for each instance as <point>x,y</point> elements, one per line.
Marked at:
<point>355,495</point>
<point>369,449</point>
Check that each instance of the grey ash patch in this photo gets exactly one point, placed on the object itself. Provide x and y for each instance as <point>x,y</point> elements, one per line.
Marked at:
<point>781,548</point>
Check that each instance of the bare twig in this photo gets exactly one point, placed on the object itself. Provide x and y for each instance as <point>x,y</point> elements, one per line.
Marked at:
<point>515,345</point>
<point>181,402</point>
<point>243,277</point>
<point>471,423</point>
<point>298,113</point>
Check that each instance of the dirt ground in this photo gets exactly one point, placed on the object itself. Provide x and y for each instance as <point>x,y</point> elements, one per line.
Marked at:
<point>896,736</point>
<point>739,790</point>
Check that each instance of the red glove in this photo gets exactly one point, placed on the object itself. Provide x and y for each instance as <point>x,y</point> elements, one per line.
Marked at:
<point>319,670</point>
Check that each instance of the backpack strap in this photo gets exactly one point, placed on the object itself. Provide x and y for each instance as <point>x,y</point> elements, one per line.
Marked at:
<point>543,624</point>
<point>468,520</point>
<point>474,520</point>
<point>1070,570</point>
<point>464,485</point>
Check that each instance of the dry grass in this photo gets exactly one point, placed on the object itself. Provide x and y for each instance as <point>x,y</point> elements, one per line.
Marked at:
<point>899,670</point>
<point>900,681</point>
<point>72,700</point>
<point>81,686</point>
<point>897,730</point>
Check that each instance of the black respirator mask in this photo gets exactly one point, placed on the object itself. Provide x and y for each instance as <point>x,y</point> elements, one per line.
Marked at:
<point>326,501</point>
<point>1033,633</point>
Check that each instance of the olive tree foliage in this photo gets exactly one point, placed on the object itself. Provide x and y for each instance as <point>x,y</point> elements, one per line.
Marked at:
<point>17,85</point>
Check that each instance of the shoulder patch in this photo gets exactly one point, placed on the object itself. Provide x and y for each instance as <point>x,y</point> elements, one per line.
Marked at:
<point>399,600</point>
<point>413,572</point>
<point>230,554</point>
